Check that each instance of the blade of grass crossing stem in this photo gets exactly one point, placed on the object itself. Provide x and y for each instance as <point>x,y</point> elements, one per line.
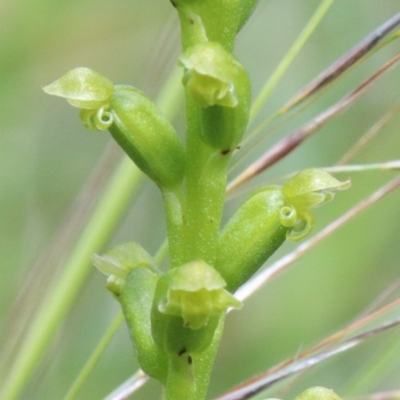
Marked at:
<point>369,135</point>
<point>100,227</point>
<point>290,56</point>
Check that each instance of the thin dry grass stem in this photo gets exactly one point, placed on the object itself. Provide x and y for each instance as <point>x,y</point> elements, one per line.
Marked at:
<point>368,315</point>
<point>257,130</point>
<point>336,337</point>
<point>389,395</point>
<point>327,77</point>
<point>279,266</point>
<point>382,297</point>
<point>129,386</point>
<point>369,135</point>
<point>393,165</point>
<point>261,382</point>
<point>341,65</point>
<point>313,95</point>
<point>293,140</point>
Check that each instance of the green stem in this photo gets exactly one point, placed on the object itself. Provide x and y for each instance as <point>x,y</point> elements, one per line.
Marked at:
<point>181,384</point>
<point>188,379</point>
<point>205,192</point>
<point>174,208</point>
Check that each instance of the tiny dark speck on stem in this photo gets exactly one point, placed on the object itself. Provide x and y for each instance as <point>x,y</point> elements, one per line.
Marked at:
<point>183,351</point>
<point>225,152</point>
<point>173,4</point>
<point>190,360</point>
<point>191,20</point>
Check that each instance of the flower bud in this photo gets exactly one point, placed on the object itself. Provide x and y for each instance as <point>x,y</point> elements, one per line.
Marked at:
<point>147,136</point>
<point>187,305</point>
<point>251,236</point>
<point>309,189</point>
<point>220,86</point>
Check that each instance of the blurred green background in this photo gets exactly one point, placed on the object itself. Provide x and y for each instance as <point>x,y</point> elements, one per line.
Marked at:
<point>46,157</point>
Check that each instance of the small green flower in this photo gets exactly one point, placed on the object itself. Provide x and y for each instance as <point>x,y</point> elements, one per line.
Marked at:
<point>209,75</point>
<point>196,293</point>
<point>269,217</point>
<point>220,87</point>
<point>312,188</point>
<point>308,189</point>
<point>134,121</point>
<point>118,262</point>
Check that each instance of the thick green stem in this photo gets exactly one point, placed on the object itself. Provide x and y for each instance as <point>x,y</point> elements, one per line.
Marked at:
<point>193,222</point>
<point>174,203</point>
<point>205,192</point>
<point>181,383</point>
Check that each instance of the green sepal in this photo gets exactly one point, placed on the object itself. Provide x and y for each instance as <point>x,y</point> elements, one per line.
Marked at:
<point>118,262</point>
<point>136,300</point>
<point>147,137</point>
<point>312,188</point>
<point>83,88</point>
<point>188,303</point>
<point>251,236</point>
<point>318,393</point>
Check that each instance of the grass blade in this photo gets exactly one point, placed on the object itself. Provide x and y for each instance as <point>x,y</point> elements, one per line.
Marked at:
<point>290,56</point>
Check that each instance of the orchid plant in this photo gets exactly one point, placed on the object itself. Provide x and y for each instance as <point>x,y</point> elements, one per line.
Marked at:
<point>176,317</point>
